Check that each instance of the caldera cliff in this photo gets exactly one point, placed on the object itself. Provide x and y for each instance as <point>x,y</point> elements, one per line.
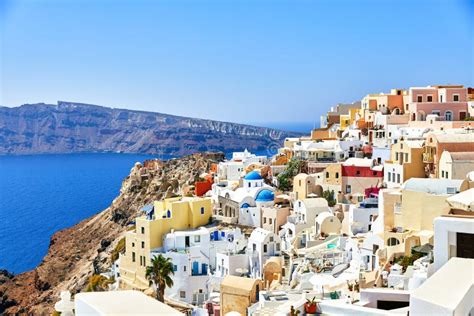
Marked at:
<point>77,252</point>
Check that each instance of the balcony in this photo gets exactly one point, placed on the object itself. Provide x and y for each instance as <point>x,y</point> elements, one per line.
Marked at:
<point>428,158</point>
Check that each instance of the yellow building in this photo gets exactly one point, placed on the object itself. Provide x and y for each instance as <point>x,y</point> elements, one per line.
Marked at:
<point>178,213</point>
<point>406,162</point>
<point>425,199</point>
<point>304,185</point>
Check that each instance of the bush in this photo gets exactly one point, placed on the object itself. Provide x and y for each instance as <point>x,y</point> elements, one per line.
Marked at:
<point>329,196</point>
<point>98,283</point>
<point>285,179</point>
<point>119,248</point>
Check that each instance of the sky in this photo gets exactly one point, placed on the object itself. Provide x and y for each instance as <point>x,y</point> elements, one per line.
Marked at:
<point>240,61</point>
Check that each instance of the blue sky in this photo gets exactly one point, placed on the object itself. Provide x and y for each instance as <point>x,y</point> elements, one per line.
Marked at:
<point>241,61</point>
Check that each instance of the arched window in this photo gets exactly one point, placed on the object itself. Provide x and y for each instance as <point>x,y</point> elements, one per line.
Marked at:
<point>448,115</point>
<point>392,241</point>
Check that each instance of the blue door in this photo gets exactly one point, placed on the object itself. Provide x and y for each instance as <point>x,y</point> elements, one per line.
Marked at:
<point>204,269</point>
<point>195,268</point>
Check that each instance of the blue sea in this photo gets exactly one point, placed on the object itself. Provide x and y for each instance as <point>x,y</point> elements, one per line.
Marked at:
<point>41,194</point>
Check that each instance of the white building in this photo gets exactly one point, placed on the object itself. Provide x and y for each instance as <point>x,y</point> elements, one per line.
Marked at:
<point>361,218</point>
<point>302,220</point>
<point>449,291</point>
<point>119,303</point>
<point>190,254</point>
<point>262,245</point>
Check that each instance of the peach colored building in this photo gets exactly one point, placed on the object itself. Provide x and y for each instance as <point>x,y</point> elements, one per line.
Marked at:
<point>437,142</point>
<point>448,102</point>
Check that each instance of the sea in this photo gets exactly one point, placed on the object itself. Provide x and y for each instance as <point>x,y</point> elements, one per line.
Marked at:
<point>41,194</point>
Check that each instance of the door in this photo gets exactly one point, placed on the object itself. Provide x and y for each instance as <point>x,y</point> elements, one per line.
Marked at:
<point>195,268</point>
<point>462,116</point>
<point>465,245</point>
<point>204,269</point>
<point>186,241</point>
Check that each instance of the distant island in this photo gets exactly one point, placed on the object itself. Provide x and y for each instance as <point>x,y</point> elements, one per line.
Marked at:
<point>70,127</point>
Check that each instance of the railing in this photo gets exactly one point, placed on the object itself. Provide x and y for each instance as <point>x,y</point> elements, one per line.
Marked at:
<point>428,158</point>
<point>199,298</point>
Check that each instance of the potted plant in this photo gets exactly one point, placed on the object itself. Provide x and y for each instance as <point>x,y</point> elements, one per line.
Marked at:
<point>311,306</point>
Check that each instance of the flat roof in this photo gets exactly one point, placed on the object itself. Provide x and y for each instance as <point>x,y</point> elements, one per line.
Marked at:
<point>122,303</point>
<point>449,285</point>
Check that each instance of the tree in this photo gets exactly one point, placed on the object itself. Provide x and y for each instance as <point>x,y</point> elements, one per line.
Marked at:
<point>159,273</point>
<point>286,177</point>
<point>329,196</point>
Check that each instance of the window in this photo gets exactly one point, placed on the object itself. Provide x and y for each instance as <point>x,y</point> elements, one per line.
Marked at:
<point>389,177</point>
<point>451,190</point>
<point>348,189</point>
<point>337,175</point>
<point>264,220</point>
<point>143,230</point>
<point>327,174</point>
<point>277,246</point>
<point>396,156</point>
<point>429,98</point>
<point>175,267</point>
<point>143,244</point>
<point>419,98</point>
<point>202,210</point>
<point>254,247</point>
<point>133,257</point>
<point>265,248</point>
<point>374,173</point>
<point>442,174</point>
<point>392,241</point>
<point>398,178</point>
<point>184,268</point>
<point>456,97</point>
<point>197,238</point>
<point>270,221</point>
<point>447,175</point>
<point>358,172</point>
<point>271,238</point>
<point>168,214</point>
<point>133,244</point>
<point>182,294</point>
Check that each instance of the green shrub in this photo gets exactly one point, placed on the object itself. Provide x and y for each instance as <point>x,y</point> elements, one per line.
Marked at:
<point>119,248</point>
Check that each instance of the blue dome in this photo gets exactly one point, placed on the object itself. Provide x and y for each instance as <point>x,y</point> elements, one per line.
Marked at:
<point>265,196</point>
<point>253,175</point>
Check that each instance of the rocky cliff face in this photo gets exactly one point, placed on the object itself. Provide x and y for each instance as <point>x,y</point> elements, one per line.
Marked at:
<point>75,127</point>
<point>76,253</point>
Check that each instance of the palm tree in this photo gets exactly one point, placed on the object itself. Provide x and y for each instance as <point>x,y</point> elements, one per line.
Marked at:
<point>159,273</point>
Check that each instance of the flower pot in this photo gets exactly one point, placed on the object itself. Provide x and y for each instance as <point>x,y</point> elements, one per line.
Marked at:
<point>310,308</point>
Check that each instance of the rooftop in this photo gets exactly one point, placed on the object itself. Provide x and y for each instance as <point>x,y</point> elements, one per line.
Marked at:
<point>121,303</point>
<point>433,186</point>
<point>447,287</point>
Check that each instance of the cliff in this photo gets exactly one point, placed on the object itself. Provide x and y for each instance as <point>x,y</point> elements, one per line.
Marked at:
<point>75,253</point>
<point>75,127</point>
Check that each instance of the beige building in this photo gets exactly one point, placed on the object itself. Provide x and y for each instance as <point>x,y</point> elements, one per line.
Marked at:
<point>333,177</point>
<point>238,293</point>
<point>305,184</point>
<point>455,165</point>
<point>406,161</point>
<point>175,213</point>
<point>274,217</point>
<point>423,200</point>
